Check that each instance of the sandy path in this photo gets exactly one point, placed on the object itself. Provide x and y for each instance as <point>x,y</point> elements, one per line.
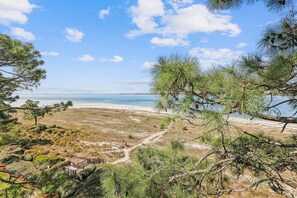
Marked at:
<point>197,146</point>
<point>148,140</point>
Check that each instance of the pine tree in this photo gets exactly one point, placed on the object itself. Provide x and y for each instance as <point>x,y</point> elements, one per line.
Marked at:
<point>245,87</point>
<point>19,70</point>
<point>32,110</point>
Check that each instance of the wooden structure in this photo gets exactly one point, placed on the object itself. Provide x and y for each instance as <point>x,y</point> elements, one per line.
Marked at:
<point>96,161</point>
<point>78,164</point>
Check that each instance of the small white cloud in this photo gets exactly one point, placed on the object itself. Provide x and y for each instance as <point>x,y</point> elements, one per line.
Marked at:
<point>86,58</point>
<point>143,81</point>
<point>242,45</point>
<point>204,40</point>
<point>49,53</point>
<point>210,56</point>
<point>15,11</point>
<point>171,42</point>
<point>147,65</point>
<point>74,35</point>
<point>115,59</point>
<point>22,34</point>
<point>103,13</point>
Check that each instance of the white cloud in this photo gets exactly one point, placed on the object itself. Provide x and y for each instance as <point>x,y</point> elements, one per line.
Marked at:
<point>197,18</point>
<point>103,13</point>
<point>151,17</point>
<point>86,58</point>
<point>49,53</point>
<point>242,45</point>
<point>14,11</point>
<point>144,14</point>
<point>210,56</point>
<point>74,35</point>
<point>147,65</point>
<point>143,81</point>
<point>169,41</point>
<point>178,4</point>
<point>204,40</point>
<point>22,34</point>
<point>115,59</point>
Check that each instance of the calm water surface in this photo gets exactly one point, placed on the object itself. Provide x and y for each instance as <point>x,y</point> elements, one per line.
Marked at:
<point>143,100</point>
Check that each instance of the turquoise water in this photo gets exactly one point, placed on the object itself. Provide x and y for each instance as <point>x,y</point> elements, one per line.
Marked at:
<point>143,100</point>
<point>81,99</point>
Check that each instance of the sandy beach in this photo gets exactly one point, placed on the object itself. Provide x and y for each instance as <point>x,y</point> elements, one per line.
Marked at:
<point>290,128</point>
<point>116,106</point>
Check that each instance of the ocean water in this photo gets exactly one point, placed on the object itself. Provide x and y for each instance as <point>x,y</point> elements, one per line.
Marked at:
<point>142,100</point>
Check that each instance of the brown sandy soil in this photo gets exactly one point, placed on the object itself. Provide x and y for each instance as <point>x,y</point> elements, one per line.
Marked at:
<point>189,133</point>
<point>115,134</point>
<point>106,132</point>
<point>95,132</point>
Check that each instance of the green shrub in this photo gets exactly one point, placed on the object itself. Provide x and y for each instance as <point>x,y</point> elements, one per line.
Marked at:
<point>48,182</point>
<point>44,159</point>
<point>6,139</point>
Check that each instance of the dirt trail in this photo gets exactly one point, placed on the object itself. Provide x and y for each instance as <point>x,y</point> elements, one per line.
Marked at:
<point>148,140</point>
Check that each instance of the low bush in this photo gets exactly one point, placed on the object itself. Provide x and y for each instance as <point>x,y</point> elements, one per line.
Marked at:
<point>48,160</point>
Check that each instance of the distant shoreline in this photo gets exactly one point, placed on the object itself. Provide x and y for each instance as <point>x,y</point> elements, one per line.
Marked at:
<point>57,94</point>
<point>137,102</point>
<point>115,107</point>
<point>139,109</point>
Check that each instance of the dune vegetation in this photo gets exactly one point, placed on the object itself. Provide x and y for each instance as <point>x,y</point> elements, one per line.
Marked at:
<point>191,145</point>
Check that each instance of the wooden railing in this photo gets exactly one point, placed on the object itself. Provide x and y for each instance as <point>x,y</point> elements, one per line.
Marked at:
<point>96,161</point>
<point>70,171</point>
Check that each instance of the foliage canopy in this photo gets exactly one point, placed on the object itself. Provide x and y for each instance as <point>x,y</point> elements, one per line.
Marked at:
<point>19,70</point>
<point>248,87</point>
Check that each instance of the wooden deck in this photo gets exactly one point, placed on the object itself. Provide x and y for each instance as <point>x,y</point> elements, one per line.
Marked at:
<point>76,165</point>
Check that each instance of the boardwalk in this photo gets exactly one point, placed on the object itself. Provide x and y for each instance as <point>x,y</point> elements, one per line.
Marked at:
<point>76,165</point>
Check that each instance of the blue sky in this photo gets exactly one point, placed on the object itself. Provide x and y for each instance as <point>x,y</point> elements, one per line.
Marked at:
<point>103,46</point>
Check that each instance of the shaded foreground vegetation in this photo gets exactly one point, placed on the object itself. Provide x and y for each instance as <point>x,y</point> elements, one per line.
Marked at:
<point>44,149</point>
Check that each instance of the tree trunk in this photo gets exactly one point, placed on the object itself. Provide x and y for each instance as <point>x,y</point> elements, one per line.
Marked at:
<point>35,119</point>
